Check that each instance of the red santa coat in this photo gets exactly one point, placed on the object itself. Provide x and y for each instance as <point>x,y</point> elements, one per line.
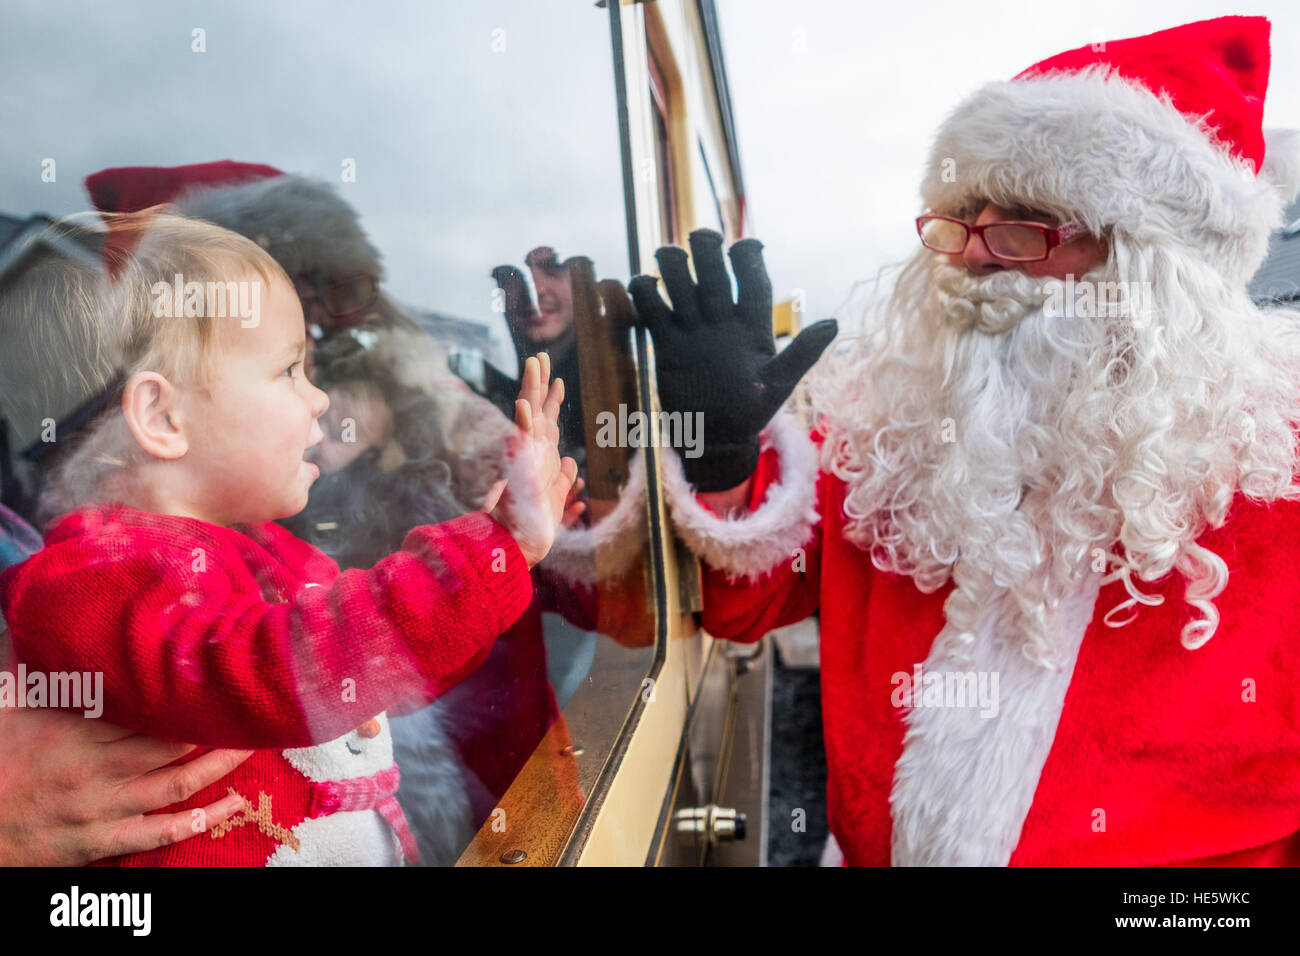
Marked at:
<point>251,638</point>
<point>1150,753</point>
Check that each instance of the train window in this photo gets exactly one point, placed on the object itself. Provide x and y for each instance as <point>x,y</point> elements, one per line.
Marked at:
<point>708,211</point>
<point>439,185</point>
<point>662,114</point>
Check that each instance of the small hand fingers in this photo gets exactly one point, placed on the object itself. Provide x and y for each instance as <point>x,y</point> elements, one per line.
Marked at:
<point>524,414</point>
<point>560,486</point>
<point>554,399</point>
<point>569,471</point>
<point>531,387</point>
<point>493,496</point>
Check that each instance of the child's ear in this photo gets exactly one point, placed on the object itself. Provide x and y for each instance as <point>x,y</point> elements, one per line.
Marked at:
<point>150,405</point>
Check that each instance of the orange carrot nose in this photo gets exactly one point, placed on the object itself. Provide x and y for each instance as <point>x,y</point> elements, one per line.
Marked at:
<point>369,729</point>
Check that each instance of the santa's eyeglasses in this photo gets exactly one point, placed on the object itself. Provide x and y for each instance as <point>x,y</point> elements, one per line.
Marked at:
<point>1013,241</point>
<point>343,301</point>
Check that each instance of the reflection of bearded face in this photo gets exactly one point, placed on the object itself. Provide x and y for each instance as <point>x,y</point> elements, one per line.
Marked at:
<point>986,440</point>
<point>357,419</point>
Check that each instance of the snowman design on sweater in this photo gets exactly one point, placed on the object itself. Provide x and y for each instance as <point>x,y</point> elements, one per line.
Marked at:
<point>358,763</point>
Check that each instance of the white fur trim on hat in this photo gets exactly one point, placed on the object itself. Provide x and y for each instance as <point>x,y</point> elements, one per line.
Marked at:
<point>753,544</point>
<point>303,223</point>
<point>607,549</point>
<point>1104,151</point>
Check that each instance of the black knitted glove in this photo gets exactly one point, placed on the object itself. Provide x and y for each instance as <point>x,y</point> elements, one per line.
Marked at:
<point>718,357</point>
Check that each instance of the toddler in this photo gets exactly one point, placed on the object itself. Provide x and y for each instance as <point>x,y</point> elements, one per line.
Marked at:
<point>165,570</point>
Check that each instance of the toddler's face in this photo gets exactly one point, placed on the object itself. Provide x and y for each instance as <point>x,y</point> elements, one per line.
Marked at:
<point>250,432</point>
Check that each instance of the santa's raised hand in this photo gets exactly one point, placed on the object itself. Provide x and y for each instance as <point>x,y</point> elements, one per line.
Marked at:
<point>716,355</point>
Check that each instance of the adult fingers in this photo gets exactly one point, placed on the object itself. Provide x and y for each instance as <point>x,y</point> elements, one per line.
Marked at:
<point>174,784</point>
<point>163,829</point>
<point>711,274</point>
<point>99,731</point>
<point>674,267</point>
<point>651,312</point>
<point>618,310</point>
<point>132,756</point>
<point>753,287</point>
<point>782,373</point>
<point>514,289</point>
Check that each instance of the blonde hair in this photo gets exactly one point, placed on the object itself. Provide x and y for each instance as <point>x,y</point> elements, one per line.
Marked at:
<point>84,323</point>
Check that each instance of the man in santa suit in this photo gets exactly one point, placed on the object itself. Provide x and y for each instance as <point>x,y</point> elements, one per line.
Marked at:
<point>1049,515</point>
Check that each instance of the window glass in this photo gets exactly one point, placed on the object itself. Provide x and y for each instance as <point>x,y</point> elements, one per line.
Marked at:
<point>437,187</point>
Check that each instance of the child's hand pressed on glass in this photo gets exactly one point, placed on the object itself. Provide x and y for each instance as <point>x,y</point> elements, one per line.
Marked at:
<point>538,492</point>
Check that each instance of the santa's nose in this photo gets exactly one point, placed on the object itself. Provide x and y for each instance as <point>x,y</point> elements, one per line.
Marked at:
<point>369,729</point>
<point>977,258</point>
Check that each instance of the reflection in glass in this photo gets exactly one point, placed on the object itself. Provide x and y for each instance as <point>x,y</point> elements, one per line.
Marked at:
<point>409,155</point>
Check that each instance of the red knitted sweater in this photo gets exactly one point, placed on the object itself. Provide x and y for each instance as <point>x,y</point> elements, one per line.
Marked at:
<point>250,638</point>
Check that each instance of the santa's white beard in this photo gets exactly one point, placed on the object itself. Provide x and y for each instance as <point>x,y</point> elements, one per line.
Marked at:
<point>986,439</point>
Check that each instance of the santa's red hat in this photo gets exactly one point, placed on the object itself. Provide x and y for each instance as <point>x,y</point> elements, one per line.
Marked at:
<point>1158,137</point>
<point>301,222</point>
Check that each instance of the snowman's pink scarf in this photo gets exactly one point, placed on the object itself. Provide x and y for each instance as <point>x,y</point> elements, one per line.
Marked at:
<point>376,792</point>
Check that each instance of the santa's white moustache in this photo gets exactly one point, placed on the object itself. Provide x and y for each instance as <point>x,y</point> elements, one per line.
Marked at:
<point>985,438</point>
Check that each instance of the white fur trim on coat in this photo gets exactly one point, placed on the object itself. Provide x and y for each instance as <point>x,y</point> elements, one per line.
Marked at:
<point>607,549</point>
<point>965,781</point>
<point>753,544</point>
<point>1096,148</point>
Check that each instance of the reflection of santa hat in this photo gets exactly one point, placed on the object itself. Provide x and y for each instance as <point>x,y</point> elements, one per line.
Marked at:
<point>1158,136</point>
<point>301,222</point>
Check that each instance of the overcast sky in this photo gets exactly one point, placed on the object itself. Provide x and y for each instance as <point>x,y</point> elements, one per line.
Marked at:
<point>479,129</point>
<point>837,102</point>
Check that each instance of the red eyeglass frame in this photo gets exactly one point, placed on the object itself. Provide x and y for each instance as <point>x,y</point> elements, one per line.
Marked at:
<point>1055,235</point>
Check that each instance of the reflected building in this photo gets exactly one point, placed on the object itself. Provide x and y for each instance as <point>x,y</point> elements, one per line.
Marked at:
<point>1278,279</point>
